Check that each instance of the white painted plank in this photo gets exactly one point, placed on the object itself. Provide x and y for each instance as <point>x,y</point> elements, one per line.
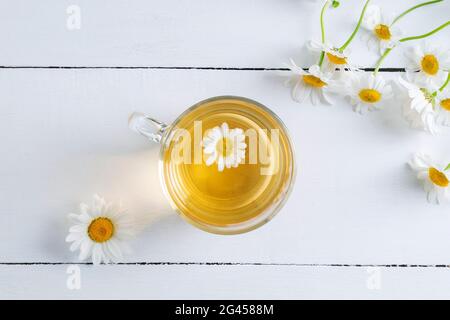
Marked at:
<point>224,282</point>
<point>65,137</point>
<point>230,33</point>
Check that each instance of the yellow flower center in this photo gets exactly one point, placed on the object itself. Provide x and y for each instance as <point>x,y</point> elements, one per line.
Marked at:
<point>370,95</point>
<point>430,64</point>
<point>438,178</point>
<point>101,230</point>
<point>313,81</point>
<point>445,104</point>
<point>224,147</point>
<point>383,32</point>
<point>335,59</point>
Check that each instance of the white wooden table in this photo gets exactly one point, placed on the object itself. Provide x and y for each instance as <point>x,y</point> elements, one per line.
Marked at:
<point>356,226</point>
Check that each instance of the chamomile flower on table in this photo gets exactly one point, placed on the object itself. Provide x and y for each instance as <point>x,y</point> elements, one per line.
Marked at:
<point>334,59</point>
<point>418,106</point>
<point>442,107</point>
<point>313,84</point>
<point>224,146</point>
<point>434,176</point>
<point>367,92</point>
<point>427,65</point>
<point>380,33</point>
<point>100,231</point>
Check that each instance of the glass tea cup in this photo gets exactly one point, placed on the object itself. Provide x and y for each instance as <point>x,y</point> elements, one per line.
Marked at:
<point>226,164</point>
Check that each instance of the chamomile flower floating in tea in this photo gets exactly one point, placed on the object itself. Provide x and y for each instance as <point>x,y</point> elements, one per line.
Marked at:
<point>435,178</point>
<point>381,34</point>
<point>367,92</point>
<point>313,84</point>
<point>100,231</point>
<point>418,107</point>
<point>427,65</point>
<point>224,146</point>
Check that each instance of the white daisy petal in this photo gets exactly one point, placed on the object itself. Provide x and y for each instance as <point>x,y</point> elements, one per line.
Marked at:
<point>114,249</point>
<point>443,108</point>
<point>210,160</point>
<point>301,92</point>
<point>85,250</point>
<point>84,208</point>
<point>229,161</point>
<point>76,245</point>
<point>209,148</point>
<point>73,236</point>
<point>316,46</point>
<point>294,68</point>
<point>78,228</point>
<point>220,164</point>
<point>315,99</point>
<point>97,254</point>
<point>224,127</point>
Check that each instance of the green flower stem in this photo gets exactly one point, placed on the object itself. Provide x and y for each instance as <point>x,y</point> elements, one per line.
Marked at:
<point>448,167</point>
<point>426,34</point>
<point>322,30</point>
<point>380,61</point>
<point>352,36</point>
<point>387,51</point>
<point>414,8</point>
<point>322,56</point>
<point>446,82</point>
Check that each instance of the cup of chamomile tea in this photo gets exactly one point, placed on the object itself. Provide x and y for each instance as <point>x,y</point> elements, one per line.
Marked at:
<point>226,164</point>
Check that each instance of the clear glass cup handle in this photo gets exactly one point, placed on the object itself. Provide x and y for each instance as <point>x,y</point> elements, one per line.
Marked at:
<point>147,126</point>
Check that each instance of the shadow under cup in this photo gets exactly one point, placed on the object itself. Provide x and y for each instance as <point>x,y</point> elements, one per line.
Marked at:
<point>236,199</point>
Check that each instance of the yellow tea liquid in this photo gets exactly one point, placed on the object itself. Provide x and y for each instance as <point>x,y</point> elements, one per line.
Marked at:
<point>206,196</point>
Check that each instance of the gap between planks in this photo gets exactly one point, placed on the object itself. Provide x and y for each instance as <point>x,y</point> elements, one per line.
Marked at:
<point>167,263</point>
<point>181,68</point>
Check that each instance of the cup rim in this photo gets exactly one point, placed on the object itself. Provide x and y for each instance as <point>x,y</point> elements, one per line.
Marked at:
<point>251,224</point>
